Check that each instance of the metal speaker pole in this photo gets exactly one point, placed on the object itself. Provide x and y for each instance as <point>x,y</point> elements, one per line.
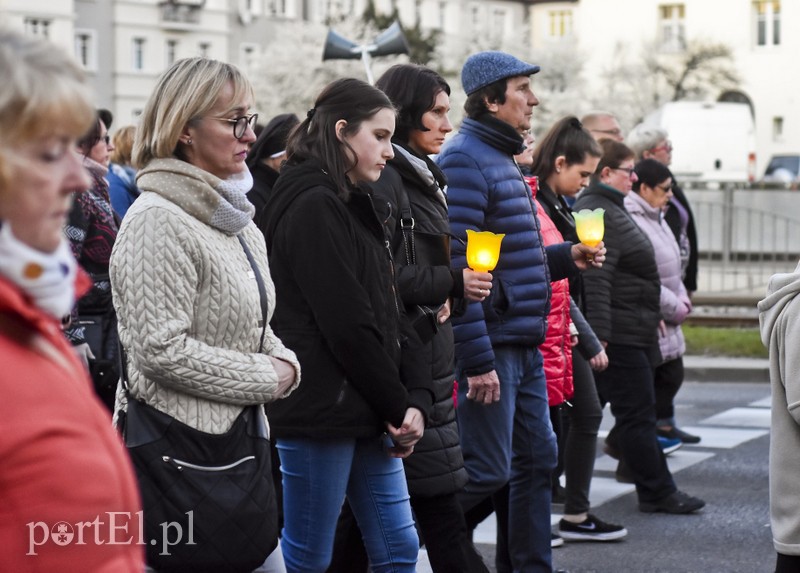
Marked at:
<point>390,41</point>
<point>339,48</point>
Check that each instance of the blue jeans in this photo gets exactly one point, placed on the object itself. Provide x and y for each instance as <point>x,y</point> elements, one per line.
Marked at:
<point>512,441</point>
<point>317,474</point>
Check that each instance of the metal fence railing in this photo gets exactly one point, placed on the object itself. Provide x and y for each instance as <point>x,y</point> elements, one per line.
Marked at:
<point>745,235</point>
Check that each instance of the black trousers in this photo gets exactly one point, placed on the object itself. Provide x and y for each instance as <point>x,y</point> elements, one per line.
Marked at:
<point>442,529</point>
<point>668,379</point>
<point>787,563</point>
<point>627,384</point>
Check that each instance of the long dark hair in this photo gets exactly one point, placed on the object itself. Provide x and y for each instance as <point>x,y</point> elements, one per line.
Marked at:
<point>566,137</point>
<point>315,138</point>
<point>413,90</point>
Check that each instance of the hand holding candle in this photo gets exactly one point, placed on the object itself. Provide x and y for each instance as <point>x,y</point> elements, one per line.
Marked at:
<point>483,250</point>
<point>589,226</point>
<point>590,229</point>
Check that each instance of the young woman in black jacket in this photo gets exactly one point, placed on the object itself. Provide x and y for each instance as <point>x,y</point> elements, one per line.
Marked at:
<point>411,192</point>
<point>361,406</point>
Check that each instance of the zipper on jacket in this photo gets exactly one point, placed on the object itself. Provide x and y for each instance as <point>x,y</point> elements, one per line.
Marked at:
<point>180,464</point>
<point>394,290</point>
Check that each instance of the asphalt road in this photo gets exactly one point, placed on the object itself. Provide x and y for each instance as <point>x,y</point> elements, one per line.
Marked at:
<point>728,470</point>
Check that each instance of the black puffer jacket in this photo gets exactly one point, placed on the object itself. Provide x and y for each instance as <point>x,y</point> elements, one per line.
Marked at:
<point>337,309</point>
<point>622,298</point>
<point>437,465</point>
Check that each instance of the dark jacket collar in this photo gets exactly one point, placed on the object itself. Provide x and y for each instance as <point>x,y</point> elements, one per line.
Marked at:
<point>494,132</point>
<point>597,188</point>
<point>298,178</point>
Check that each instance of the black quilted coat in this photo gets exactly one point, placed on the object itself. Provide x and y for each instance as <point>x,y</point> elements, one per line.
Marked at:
<point>622,297</point>
<point>437,466</point>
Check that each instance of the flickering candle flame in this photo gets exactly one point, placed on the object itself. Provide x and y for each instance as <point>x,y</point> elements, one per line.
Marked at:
<point>483,250</point>
<point>589,226</point>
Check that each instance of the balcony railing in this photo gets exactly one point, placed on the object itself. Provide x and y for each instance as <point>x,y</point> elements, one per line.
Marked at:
<point>181,13</point>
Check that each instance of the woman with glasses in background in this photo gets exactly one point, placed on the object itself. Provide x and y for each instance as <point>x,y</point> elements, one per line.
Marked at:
<point>652,142</point>
<point>648,204</point>
<point>185,288</point>
<point>622,305</point>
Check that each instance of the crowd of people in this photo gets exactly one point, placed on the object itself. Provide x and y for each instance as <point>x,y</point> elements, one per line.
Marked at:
<point>316,275</point>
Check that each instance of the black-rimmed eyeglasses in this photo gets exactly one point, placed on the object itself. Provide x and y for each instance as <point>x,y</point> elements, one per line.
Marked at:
<point>240,123</point>
<point>628,170</point>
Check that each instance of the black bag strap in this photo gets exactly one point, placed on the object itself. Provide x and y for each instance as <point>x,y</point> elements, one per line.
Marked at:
<point>262,290</point>
<point>407,227</point>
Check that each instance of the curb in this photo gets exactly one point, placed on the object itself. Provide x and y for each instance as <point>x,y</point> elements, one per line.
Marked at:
<point>725,369</point>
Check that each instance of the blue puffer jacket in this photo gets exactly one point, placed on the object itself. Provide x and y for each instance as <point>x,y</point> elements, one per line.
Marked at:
<point>486,192</point>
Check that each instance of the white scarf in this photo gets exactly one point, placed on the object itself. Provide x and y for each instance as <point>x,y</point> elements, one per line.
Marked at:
<point>47,278</point>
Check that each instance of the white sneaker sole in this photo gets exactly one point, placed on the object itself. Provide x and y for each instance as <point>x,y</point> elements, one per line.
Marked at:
<point>589,536</point>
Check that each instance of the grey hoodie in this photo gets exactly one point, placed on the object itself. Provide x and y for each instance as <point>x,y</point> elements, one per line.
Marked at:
<point>779,316</point>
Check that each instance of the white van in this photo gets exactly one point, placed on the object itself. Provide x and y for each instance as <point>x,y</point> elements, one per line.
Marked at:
<point>712,141</point>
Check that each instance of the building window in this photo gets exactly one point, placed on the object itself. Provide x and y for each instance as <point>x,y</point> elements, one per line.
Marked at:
<point>85,52</point>
<point>171,52</point>
<point>278,8</point>
<point>248,56</point>
<point>777,129</point>
<point>475,11</point>
<point>768,22</point>
<point>253,7</point>
<point>37,27</point>
<point>204,48</point>
<point>672,27</point>
<point>138,46</point>
<point>559,24</point>
<point>442,14</point>
<point>498,23</point>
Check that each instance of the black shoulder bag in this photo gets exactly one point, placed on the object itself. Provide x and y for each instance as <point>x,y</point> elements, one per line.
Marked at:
<point>437,253</point>
<point>209,500</point>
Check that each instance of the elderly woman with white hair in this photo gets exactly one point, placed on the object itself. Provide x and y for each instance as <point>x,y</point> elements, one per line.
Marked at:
<point>652,142</point>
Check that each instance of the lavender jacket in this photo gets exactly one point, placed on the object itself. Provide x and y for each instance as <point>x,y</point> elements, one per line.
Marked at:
<point>675,303</point>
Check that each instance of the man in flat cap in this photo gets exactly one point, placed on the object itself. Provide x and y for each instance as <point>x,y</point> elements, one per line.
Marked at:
<point>503,412</point>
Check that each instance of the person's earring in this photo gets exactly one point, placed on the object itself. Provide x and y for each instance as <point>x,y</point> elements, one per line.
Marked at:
<point>189,141</point>
<point>558,170</point>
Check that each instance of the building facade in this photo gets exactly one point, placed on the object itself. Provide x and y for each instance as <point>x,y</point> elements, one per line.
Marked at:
<point>125,44</point>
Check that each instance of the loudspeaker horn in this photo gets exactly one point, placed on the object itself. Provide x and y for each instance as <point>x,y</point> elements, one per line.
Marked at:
<point>390,41</point>
<point>339,48</point>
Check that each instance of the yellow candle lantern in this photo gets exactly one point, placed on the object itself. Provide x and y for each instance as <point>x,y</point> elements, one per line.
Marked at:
<point>589,225</point>
<point>483,250</point>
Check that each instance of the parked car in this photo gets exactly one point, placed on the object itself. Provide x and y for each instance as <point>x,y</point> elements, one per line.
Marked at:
<point>783,169</point>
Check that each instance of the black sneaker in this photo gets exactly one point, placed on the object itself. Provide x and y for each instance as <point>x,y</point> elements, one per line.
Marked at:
<point>678,434</point>
<point>555,540</point>
<point>676,503</point>
<point>592,529</point>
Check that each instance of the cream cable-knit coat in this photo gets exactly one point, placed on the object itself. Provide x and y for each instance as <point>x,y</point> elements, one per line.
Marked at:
<point>188,304</point>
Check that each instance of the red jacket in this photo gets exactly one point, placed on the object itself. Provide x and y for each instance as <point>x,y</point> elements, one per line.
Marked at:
<point>63,464</point>
<point>557,348</point>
